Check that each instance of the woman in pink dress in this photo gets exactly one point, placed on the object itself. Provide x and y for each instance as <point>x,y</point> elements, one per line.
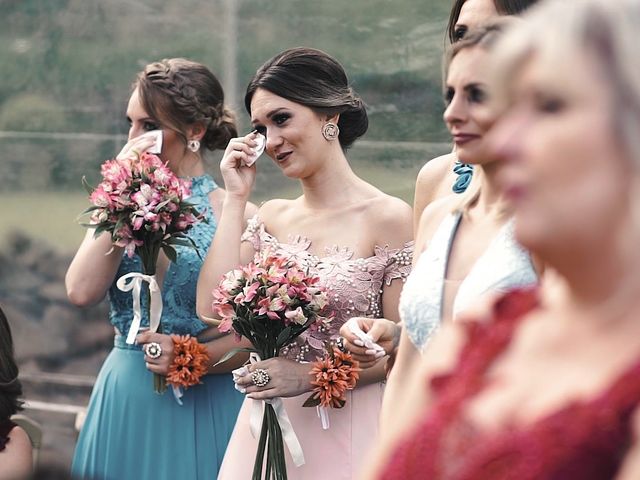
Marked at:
<point>547,387</point>
<point>354,237</point>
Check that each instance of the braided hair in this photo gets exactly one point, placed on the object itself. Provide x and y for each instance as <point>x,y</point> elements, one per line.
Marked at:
<point>180,93</point>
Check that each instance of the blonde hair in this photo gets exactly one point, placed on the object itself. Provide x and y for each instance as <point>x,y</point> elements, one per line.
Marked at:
<point>556,30</point>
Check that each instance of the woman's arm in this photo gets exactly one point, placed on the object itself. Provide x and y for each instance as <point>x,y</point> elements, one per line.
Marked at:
<point>408,357</point>
<point>92,270</point>
<point>227,251</point>
<point>394,229</point>
<point>96,262</point>
<point>16,460</point>
<point>416,399</point>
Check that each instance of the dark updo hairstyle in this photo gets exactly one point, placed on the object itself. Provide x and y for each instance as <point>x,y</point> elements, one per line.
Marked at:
<point>314,79</point>
<point>179,93</point>
<point>10,387</point>
<point>504,7</point>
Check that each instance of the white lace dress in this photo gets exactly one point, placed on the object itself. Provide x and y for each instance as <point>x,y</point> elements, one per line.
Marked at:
<point>504,265</point>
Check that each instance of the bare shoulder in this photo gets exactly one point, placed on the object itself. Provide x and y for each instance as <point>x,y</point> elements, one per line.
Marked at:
<point>435,170</point>
<point>432,176</point>
<point>19,455</point>
<point>432,217</point>
<point>390,219</point>
<point>20,438</point>
<point>434,181</point>
<point>275,211</point>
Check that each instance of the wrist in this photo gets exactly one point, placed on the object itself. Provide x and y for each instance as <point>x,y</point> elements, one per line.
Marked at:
<point>305,377</point>
<point>236,200</point>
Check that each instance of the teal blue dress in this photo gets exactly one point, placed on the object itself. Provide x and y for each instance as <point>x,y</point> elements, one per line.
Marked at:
<point>131,432</point>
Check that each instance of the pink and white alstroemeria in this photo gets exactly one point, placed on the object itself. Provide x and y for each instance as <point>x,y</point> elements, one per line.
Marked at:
<point>296,316</point>
<point>267,296</point>
<point>269,303</point>
<point>141,202</point>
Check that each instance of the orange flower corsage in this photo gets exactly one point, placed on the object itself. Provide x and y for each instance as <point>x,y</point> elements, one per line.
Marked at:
<point>190,361</point>
<point>336,373</point>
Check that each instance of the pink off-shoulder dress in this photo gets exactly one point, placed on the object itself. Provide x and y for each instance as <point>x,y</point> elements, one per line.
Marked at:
<point>355,289</point>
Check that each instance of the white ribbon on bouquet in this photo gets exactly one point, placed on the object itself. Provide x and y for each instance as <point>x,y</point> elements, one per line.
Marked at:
<point>135,286</point>
<point>289,436</point>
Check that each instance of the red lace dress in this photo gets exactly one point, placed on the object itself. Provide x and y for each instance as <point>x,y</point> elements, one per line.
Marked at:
<point>584,440</point>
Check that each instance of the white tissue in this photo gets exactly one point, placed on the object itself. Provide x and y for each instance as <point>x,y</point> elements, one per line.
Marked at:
<point>354,328</point>
<point>261,140</point>
<point>156,148</point>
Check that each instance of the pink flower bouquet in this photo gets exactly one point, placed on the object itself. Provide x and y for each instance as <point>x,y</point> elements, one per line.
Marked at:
<point>141,203</point>
<point>270,302</point>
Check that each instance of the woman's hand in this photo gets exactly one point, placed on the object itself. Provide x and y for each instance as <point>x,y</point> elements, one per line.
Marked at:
<point>238,177</point>
<point>161,364</point>
<point>381,331</point>
<point>136,147</point>
<point>286,379</point>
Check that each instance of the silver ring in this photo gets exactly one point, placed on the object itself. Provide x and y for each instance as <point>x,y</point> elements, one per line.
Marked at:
<point>260,377</point>
<point>153,350</point>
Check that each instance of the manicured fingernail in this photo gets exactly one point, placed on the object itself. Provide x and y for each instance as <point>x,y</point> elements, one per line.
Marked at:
<point>380,354</point>
<point>371,352</point>
<point>358,342</point>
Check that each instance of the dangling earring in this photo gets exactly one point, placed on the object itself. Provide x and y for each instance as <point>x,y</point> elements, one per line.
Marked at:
<point>330,131</point>
<point>193,145</point>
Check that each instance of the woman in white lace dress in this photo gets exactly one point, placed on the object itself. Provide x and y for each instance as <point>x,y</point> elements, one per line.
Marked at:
<point>465,247</point>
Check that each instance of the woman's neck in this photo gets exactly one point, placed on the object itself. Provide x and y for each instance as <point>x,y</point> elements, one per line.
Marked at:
<point>191,165</point>
<point>605,284</point>
<point>333,185</point>
<point>490,201</point>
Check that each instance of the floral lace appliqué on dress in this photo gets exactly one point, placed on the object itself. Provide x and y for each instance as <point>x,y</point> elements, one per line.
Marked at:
<point>354,285</point>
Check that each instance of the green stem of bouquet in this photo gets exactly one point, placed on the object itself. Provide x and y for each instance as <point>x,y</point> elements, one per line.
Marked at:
<point>149,257</point>
<point>270,440</point>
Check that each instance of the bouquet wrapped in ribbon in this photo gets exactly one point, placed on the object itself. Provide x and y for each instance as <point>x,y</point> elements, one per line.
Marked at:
<point>270,301</point>
<point>142,204</point>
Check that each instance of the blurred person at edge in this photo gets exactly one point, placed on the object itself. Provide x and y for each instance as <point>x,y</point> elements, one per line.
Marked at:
<point>154,436</point>
<point>444,175</point>
<point>465,246</point>
<point>15,447</point>
<point>547,387</point>
<point>351,235</point>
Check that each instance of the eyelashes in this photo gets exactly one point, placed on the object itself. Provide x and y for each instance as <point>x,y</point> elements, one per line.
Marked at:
<point>474,95</point>
<point>459,33</point>
<point>279,119</point>
<point>147,126</point>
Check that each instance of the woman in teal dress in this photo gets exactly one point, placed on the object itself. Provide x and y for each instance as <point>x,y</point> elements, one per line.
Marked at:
<point>130,431</point>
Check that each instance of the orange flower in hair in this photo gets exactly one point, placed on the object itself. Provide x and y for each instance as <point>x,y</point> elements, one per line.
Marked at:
<point>190,361</point>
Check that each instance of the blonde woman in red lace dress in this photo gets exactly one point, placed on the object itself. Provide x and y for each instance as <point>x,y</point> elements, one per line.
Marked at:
<point>548,387</point>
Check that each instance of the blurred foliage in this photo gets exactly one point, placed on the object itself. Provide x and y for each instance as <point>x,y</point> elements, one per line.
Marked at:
<point>68,65</point>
